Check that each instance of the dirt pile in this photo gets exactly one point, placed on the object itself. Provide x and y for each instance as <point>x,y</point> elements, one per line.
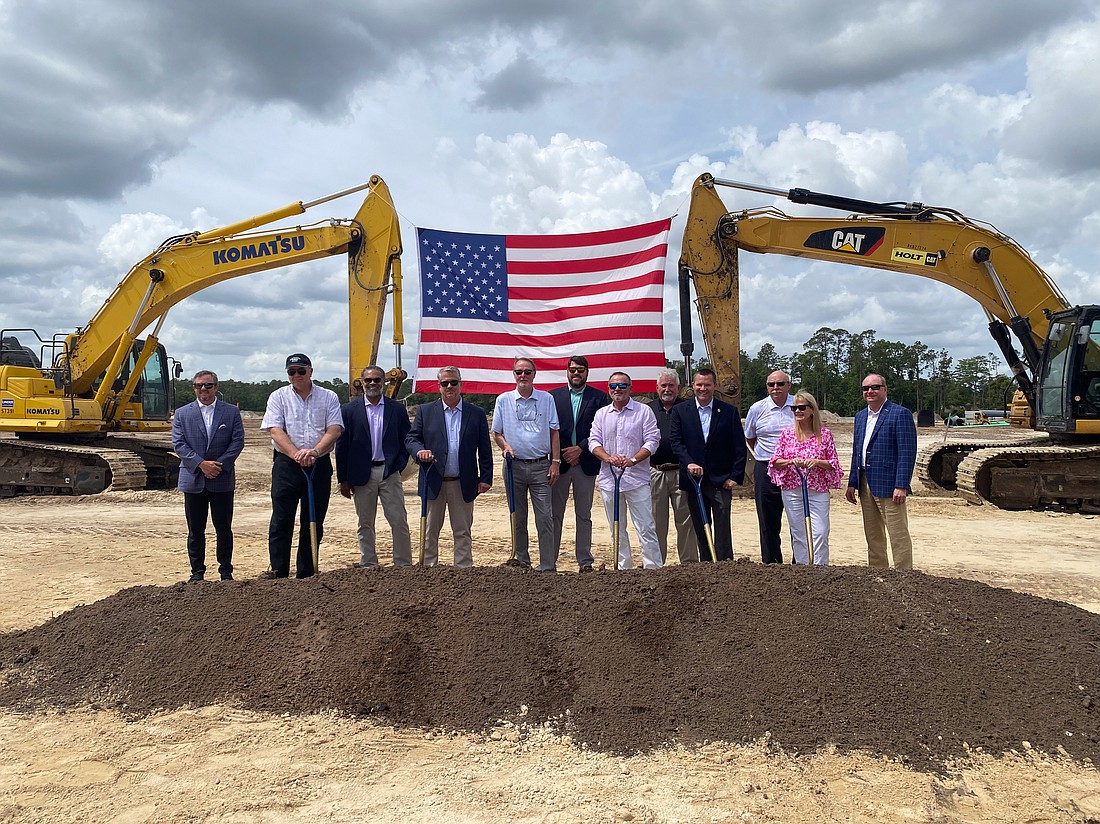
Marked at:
<point>902,664</point>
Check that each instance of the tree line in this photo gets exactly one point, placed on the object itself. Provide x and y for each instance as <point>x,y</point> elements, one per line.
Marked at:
<point>831,366</point>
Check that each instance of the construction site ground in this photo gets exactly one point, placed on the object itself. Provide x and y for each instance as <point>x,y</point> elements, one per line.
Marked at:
<point>966,691</point>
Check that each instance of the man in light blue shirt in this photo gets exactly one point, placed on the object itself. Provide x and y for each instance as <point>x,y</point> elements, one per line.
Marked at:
<point>525,426</point>
<point>764,424</point>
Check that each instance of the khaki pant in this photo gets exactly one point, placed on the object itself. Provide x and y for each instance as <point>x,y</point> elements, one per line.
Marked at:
<point>882,516</point>
<point>450,500</point>
<point>366,499</point>
<point>664,485</point>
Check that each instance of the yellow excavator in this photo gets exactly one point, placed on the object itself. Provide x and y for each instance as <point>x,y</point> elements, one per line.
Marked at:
<point>82,405</point>
<point>1058,376</point>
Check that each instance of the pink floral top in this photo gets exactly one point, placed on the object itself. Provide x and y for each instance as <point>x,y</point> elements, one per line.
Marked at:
<point>823,449</point>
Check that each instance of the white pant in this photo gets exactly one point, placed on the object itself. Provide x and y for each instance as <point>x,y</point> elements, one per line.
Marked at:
<point>640,504</point>
<point>819,525</point>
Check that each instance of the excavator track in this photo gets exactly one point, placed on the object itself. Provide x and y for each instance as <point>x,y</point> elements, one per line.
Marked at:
<point>1027,474</point>
<point>38,467</point>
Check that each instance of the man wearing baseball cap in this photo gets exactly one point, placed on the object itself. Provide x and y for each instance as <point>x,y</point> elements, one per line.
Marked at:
<point>304,422</point>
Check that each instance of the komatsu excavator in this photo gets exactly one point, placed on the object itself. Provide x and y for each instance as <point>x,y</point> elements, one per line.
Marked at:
<point>82,406</point>
<point>1058,377</point>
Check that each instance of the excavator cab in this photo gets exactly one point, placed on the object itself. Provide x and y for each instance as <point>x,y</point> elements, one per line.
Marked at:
<point>1068,396</point>
<point>152,396</point>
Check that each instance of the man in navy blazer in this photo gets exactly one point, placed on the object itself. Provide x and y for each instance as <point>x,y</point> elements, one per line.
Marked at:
<point>576,403</point>
<point>369,458</point>
<point>884,452</point>
<point>450,440</point>
<point>208,435</point>
<point>709,443</point>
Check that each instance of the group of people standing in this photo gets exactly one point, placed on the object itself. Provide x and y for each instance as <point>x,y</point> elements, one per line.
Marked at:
<point>680,455</point>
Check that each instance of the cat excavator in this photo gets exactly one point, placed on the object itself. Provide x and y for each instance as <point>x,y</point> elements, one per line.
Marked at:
<point>84,407</point>
<point>1058,376</point>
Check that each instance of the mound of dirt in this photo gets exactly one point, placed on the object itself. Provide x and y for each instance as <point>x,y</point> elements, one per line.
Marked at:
<point>898,663</point>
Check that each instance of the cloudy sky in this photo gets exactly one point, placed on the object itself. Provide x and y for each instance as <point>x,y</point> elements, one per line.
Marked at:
<point>124,122</point>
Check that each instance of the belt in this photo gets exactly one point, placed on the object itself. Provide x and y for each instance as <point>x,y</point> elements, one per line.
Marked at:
<point>666,467</point>
<point>377,463</point>
<point>450,477</point>
<point>532,460</point>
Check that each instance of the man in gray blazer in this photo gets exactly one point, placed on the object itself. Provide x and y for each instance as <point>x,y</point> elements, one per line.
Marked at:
<point>208,435</point>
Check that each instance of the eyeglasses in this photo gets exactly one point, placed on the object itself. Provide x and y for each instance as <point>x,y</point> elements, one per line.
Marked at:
<point>524,371</point>
<point>773,384</point>
<point>204,385</point>
<point>618,386</point>
<point>301,370</point>
<point>449,383</point>
<point>873,387</point>
<point>800,407</point>
<point>578,368</point>
<point>372,380</point>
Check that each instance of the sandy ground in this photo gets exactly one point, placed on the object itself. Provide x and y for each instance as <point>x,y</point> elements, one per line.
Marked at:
<point>222,764</point>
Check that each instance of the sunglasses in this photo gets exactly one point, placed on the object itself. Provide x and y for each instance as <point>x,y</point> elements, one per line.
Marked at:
<point>618,386</point>
<point>372,380</point>
<point>773,384</point>
<point>524,371</point>
<point>578,368</point>
<point>204,385</point>
<point>799,407</point>
<point>449,383</point>
<point>301,370</point>
<point>873,387</point>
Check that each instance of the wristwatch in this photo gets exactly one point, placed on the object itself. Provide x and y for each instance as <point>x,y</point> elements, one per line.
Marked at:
<point>633,461</point>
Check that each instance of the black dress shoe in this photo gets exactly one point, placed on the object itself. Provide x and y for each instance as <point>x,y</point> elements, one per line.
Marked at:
<point>586,568</point>
<point>195,576</point>
<point>227,576</point>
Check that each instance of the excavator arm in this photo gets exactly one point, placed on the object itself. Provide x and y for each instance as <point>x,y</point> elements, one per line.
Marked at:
<point>187,264</point>
<point>938,244</point>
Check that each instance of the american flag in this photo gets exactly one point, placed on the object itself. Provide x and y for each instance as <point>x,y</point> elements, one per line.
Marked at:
<point>486,299</point>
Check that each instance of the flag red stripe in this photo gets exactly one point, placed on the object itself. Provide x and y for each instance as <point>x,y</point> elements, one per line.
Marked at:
<point>654,278</point>
<point>573,266</point>
<point>587,238</point>
<point>591,310</point>
<point>489,339</point>
<point>617,361</point>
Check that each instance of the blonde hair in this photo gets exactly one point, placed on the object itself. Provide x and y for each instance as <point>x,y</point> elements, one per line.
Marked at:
<point>802,396</point>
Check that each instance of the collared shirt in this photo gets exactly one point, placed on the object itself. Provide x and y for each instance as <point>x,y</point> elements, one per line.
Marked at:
<point>872,419</point>
<point>526,422</point>
<point>207,411</point>
<point>704,416</point>
<point>375,412</point>
<point>766,422</point>
<point>303,419</point>
<point>453,419</point>
<point>575,399</point>
<point>664,453</point>
<point>623,432</point>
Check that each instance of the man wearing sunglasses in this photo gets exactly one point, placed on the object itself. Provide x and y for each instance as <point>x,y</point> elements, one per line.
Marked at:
<point>525,427</point>
<point>624,435</point>
<point>576,404</point>
<point>208,435</point>
<point>370,456</point>
<point>450,441</point>
<point>883,456</point>
<point>764,423</point>
<point>303,420</point>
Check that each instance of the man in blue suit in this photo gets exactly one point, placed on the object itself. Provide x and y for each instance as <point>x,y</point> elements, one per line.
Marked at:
<point>577,403</point>
<point>369,458</point>
<point>709,443</point>
<point>884,453</point>
<point>208,435</point>
<point>450,441</point>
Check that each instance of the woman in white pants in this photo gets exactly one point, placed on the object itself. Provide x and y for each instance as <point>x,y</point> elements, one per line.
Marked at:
<point>807,448</point>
